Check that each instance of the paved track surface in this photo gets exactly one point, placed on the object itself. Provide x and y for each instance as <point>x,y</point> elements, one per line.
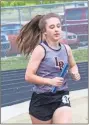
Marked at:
<point>14,88</point>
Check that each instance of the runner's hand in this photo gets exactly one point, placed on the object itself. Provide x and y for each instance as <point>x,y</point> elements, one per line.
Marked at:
<point>57,81</point>
<point>75,76</point>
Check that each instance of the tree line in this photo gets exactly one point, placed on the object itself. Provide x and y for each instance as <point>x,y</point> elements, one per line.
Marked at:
<point>29,2</point>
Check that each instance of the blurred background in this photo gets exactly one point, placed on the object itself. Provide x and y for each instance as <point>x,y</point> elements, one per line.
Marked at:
<point>15,14</point>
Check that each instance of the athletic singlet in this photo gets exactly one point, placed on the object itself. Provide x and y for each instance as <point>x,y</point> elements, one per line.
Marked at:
<point>51,66</point>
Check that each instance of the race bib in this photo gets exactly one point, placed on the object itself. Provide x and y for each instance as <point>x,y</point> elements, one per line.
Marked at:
<point>66,99</point>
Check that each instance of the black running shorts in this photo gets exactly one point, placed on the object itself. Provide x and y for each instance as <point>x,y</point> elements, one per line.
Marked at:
<point>43,105</point>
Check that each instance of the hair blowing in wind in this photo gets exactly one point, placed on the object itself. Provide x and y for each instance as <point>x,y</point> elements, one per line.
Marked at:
<point>31,33</point>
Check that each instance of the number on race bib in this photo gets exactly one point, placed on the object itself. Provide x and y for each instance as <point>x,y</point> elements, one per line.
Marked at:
<point>65,99</point>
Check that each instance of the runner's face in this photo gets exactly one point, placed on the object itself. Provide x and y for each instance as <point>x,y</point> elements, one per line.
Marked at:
<point>53,29</point>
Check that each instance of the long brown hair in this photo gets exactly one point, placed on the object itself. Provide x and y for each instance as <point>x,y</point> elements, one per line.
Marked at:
<point>31,33</point>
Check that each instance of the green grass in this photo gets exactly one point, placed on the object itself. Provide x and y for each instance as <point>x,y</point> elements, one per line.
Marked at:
<point>81,55</point>
<point>13,63</point>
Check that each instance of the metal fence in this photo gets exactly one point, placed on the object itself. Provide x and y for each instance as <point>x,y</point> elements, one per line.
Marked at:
<point>74,24</point>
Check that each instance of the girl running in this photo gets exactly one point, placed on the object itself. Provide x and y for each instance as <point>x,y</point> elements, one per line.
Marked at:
<point>41,37</point>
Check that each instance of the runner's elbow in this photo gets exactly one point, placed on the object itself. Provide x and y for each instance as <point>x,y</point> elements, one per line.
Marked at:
<point>28,77</point>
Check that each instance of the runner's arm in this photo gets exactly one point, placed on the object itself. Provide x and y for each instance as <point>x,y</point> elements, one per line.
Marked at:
<point>33,64</point>
<point>73,70</point>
